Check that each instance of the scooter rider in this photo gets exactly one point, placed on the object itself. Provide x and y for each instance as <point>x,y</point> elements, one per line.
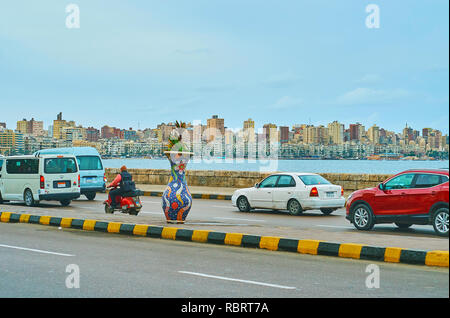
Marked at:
<point>125,182</point>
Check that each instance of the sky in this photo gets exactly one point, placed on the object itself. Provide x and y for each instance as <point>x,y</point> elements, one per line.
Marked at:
<point>140,63</point>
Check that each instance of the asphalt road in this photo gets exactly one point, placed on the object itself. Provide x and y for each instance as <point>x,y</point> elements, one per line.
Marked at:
<point>43,261</point>
<point>220,215</point>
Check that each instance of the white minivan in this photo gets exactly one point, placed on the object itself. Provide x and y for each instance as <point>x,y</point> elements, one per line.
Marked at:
<point>39,178</point>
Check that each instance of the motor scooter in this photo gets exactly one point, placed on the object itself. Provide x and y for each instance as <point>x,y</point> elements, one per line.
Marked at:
<point>129,203</point>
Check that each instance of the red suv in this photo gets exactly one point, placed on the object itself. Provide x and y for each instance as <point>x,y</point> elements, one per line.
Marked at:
<point>411,197</point>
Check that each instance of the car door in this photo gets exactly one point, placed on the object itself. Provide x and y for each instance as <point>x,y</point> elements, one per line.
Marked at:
<point>261,197</point>
<point>395,197</point>
<point>1,175</point>
<point>283,191</point>
<point>12,179</point>
<point>425,192</point>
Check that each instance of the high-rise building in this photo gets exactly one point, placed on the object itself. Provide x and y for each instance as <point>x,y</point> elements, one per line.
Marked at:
<point>92,134</point>
<point>249,131</point>
<point>270,133</point>
<point>357,131</point>
<point>284,134</point>
<point>316,135</point>
<point>22,126</point>
<point>249,124</point>
<point>31,127</point>
<point>215,128</point>
<point>58,125</point>
<point>374,134</point>
<point>11,142</point>
<point>426,132</point>
<point>336,132</point>
<point>166,130</point>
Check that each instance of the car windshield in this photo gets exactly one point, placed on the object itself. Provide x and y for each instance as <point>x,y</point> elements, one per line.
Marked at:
<point>313,179</point>
<point>89,163</point>
<point>60,165</point>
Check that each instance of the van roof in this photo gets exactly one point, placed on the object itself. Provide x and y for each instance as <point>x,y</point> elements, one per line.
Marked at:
<point>70,150</point>
<point>40,156</point>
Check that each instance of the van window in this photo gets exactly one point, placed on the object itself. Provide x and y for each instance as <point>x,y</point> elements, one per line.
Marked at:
<point>1,164</point>
<point>89,163</point>
<point>60,165</point>
<point>22,166</point>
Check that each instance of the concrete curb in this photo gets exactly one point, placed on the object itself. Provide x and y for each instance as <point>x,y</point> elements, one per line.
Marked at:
<point>194,195</point>
<point>313,247</point>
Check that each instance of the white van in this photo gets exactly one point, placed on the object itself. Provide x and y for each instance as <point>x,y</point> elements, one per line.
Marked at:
<point>38,178</point>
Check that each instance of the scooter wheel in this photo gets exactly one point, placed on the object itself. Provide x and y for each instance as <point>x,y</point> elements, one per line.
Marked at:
<point>109,209</point>
<point>133,212</point>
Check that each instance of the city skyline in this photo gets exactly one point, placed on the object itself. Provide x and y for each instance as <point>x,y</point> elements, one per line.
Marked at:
<point>287,62</point>
<point>259,127</point>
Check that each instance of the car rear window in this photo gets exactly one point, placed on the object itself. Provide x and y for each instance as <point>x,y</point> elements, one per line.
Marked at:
<point>89,163</point>
<point>60,165</point>
<point>313,179</point>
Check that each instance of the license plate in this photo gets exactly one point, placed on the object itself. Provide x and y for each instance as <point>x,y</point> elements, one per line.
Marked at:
<point>89,180</point>
<point>61,184</point>
<point>330,194</point>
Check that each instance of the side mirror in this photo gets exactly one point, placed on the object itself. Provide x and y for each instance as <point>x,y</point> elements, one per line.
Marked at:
<point>256,185</point>
<point>381,186</point>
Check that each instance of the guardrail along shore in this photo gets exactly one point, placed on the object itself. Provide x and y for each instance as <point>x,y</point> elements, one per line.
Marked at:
<point>243,179</point>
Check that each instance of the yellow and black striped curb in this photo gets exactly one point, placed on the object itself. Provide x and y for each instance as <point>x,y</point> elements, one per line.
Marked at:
<point>194,195</point>
<point>314,247</point>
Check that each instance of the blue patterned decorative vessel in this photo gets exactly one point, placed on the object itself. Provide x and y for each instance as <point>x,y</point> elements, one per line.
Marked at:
<point>176,199</point>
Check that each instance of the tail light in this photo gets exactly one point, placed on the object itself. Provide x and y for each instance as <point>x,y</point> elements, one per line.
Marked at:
<point>314,192</point>
<point>79,180</point>
<point>342,191</point>
<point>42,182</point>
<point>104,178</point>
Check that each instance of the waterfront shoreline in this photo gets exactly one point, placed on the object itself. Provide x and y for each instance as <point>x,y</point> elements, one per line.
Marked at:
<point>283,165</point>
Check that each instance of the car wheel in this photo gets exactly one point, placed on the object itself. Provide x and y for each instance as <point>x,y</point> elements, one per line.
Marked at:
<point>90,196</point>
<point>327,211</point>
<point>242,204</point>
<point>440,221</point>
<point>403,225</point>
<point>65,202</point>
<point>362,217</point>
<point>294,207</point>
<point>28,198</point>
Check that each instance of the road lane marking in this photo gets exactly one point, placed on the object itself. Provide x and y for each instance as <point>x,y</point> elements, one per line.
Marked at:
<point>237,280</point>
<point>238,219</point>
<point>34,250</point>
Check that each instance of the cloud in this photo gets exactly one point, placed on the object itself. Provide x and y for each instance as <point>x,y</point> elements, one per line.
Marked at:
<point>363,95</point>
<point>286,102</point>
